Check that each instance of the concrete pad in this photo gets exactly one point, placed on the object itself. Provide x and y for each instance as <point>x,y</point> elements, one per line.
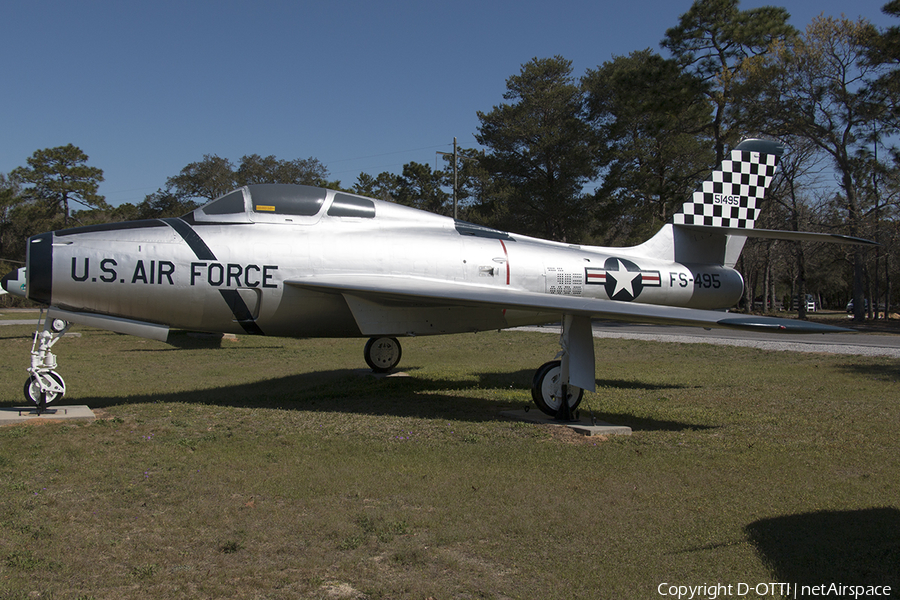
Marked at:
<point>200,335</point>
<point>22,414</point>
<point>371,373</point>
<point>583,425</point>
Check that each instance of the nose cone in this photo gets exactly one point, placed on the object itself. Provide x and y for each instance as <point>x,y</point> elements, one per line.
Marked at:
<point>14,282</point>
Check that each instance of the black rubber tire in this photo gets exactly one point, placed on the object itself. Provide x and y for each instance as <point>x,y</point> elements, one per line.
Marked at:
<point>382,353</point>
<point>545,389</point>
<point>33,390</point>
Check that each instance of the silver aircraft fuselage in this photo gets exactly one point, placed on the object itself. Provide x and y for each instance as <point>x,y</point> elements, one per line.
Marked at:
<point>237,265</point>
<point>298,261</point>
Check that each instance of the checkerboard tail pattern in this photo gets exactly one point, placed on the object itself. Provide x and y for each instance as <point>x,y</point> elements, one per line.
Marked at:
<point>730,197</point>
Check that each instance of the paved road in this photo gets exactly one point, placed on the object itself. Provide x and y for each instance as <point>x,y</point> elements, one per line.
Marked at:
<point>866,344</point>
<point>22,316</point>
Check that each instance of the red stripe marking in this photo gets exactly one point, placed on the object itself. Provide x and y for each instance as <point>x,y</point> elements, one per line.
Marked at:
<point>652,279</point>
<point>506,254</point>
<point>595,275</point>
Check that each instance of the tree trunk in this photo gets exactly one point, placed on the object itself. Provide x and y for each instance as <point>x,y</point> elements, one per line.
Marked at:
<point>801,282</point>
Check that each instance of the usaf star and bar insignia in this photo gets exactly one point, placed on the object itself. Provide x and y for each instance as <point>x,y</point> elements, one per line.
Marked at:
<point>622,279</point>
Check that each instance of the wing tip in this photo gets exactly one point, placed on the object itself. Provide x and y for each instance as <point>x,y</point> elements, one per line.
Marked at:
<point>781,325</point>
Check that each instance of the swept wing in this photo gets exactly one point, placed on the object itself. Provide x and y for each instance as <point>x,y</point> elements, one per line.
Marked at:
<point>371,296</point>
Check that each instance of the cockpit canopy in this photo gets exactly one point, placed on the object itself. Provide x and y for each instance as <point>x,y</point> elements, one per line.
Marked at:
<point>282,203</point>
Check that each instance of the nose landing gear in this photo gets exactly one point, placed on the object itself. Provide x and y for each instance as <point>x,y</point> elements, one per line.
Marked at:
<point>44,384</point>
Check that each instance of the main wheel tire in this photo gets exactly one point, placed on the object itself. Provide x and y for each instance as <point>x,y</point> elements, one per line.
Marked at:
<point>546,389</point>
<point>34,394</point>
<point>382,353</point>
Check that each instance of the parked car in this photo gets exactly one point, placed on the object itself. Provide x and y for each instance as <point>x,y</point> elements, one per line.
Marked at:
<point>759,302</point>
<point>865,304</point>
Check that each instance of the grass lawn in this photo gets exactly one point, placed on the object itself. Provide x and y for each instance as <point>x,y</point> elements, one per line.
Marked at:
<point>277,468</point>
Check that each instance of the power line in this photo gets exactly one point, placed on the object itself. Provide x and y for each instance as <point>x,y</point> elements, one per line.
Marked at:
<point>387,154</point>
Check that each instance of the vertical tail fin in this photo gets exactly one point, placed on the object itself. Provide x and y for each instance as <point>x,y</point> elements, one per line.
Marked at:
<point>707,228</point>
<point>729,198</point>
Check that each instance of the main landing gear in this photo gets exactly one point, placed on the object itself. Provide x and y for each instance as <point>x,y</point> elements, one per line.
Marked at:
<point>44,384</point>
<point>547,392</point>
<point>566,378</point>
<point>558,386</point>
<point>382,353</point>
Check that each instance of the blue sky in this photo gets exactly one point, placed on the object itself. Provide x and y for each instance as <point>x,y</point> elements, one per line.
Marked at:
<point>146,88</point>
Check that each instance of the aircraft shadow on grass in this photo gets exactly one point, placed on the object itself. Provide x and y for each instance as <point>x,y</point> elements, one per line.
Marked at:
<point>357,391</point>
<point>876,371</point>
<point>851,547</point>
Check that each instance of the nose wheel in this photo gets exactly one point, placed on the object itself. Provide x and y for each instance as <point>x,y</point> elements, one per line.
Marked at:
<point>43,388</point>
<point>44,385</point>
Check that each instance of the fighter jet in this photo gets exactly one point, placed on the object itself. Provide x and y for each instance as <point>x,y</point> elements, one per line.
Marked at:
<point>298,261</point>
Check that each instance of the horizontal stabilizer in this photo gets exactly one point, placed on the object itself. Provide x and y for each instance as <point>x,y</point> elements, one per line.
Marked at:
<point>778,234</point>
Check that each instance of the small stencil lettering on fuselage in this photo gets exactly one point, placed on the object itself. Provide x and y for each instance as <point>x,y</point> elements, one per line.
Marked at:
<point>563,282</point>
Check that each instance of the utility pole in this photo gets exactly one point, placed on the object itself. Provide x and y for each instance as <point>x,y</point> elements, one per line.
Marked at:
<point>455,179</point>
